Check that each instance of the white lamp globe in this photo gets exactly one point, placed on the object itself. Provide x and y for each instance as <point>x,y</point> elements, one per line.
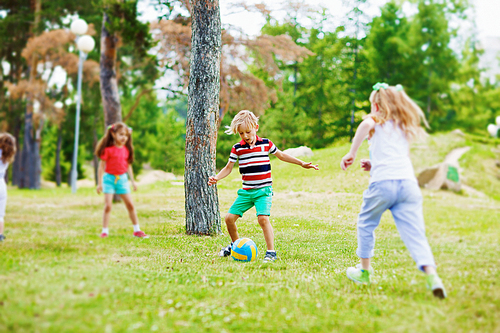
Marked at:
<point>498,121</point>
<point>493,130</point>
<point>85,43</point>
<point>79,27</point>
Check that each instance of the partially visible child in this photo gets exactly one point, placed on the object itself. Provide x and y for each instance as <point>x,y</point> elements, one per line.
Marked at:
<point>393,122</point>
<point>116,154</point>
<point>255,168</point>
<point>7,154</point>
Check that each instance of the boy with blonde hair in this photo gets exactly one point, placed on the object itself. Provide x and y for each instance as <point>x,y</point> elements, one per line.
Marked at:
<point>255,168</point>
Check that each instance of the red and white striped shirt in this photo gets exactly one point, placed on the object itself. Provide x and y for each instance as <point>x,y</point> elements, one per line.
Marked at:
<point>254,163</point>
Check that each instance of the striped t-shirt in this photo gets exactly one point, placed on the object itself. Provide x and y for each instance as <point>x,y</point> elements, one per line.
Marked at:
<point>255,167</point>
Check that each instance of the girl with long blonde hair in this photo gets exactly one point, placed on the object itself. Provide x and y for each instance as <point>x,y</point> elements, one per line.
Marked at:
<point>395,120</point>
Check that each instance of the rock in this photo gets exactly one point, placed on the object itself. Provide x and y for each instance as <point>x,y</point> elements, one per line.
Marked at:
<point>301,151</point>
<point>458,132</point>
<point>155,176</point>
<point>445,175</point>
<point>441,176</point>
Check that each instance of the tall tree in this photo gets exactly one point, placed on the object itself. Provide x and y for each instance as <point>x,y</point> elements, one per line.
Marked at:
<point>31,166</point>
<point>109,82</point>
<point>202,203</point>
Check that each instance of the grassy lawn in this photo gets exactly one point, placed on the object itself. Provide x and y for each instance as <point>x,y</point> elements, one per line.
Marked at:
<point>57,275</point>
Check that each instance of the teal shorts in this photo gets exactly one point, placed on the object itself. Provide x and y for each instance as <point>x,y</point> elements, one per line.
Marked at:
<point>112,184</point>
<point>261,198</point>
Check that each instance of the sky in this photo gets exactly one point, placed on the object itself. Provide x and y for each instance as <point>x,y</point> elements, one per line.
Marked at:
<point>486,13</point>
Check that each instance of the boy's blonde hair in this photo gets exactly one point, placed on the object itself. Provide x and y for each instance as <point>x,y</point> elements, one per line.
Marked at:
<point>243,118</point>
<point>394,104</point>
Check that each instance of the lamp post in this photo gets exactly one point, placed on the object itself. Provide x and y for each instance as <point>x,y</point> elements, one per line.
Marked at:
<point>85,44</point>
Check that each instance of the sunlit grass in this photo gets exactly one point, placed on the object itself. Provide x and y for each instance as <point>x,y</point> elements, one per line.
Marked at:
<point>57,275</point>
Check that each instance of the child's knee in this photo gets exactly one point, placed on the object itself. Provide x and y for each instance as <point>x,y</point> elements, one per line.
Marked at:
<point>107,208</point>
<point>263,220</point>
<point>230,218</point>
<point>130,206</point>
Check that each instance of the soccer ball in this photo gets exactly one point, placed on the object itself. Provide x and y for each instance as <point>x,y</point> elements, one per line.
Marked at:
<point>244,249</point>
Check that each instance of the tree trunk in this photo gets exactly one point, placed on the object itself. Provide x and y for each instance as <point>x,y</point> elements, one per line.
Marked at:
<point>202,203</point>
<point>58,157</point>
<point>30,167</point>
<point>30,156</point>
<point>109,82</point>
<point>94,145</point>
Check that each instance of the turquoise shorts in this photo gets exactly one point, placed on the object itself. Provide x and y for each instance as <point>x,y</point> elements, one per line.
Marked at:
<point>112,184</point>
<point>261,198</point>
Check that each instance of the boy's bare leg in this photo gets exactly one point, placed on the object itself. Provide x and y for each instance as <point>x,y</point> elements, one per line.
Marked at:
<point>231,226</point>
<point>267,228</point>
<point>108,203</point>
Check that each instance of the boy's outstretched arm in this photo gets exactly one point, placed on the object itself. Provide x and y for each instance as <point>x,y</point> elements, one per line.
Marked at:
<point>363,129</point>
<point>222,174</point>
<point>290,159</point>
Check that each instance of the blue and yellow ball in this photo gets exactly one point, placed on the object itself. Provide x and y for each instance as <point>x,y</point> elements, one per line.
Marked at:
<point>244,249</point>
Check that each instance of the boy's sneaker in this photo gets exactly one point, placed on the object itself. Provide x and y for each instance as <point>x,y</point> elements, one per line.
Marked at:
<point>435,284</point>
<point>140,234</point>
<point>2,237</point>
<point>104,235</point>
<point>225,251</point>
<point>358,275</point>
<point>270,257</point>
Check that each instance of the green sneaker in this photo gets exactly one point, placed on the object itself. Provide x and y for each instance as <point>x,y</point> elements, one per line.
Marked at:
<point>370,270</point>
<point>435,284</point>
<point>358,275</point>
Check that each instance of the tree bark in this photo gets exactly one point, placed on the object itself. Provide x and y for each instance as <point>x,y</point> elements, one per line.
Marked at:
<point>109,82</point>
<point>58,157</point>
<point>30,166</point>
<point>30,173</point>
<point>202,204</point>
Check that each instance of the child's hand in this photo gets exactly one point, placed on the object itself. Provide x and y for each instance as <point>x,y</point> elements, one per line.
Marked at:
<point>134,186</point>
<point>309,165</point>
<point>366,165</point>
<point>212,180</point>
<point>99,189</point>
<point>347,161</point>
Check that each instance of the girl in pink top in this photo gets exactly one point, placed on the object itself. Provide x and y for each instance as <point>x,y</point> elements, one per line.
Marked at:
<point>116,154</point>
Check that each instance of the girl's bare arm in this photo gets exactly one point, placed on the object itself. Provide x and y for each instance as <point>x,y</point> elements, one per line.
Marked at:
<point>100,173</point>
<point>130,173</point>
<point>361,133</point>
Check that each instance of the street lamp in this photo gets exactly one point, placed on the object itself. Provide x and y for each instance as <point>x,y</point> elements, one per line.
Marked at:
<point>85,44</point>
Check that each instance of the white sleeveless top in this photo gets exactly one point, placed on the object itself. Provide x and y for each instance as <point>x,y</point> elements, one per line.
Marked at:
<point>390,154</point>
<point>3,166</point>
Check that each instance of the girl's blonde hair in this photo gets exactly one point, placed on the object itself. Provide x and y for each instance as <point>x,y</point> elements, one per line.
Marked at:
<point>394,104</point>
<point>243,118</point>
<point>8,146</point>
<point>108,140</point>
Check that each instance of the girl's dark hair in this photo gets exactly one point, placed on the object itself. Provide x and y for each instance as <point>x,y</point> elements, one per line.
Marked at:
<point>8,146</point>
<point>108,140</point>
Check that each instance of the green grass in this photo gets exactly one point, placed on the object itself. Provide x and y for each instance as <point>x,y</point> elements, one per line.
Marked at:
<point>57,275</point>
